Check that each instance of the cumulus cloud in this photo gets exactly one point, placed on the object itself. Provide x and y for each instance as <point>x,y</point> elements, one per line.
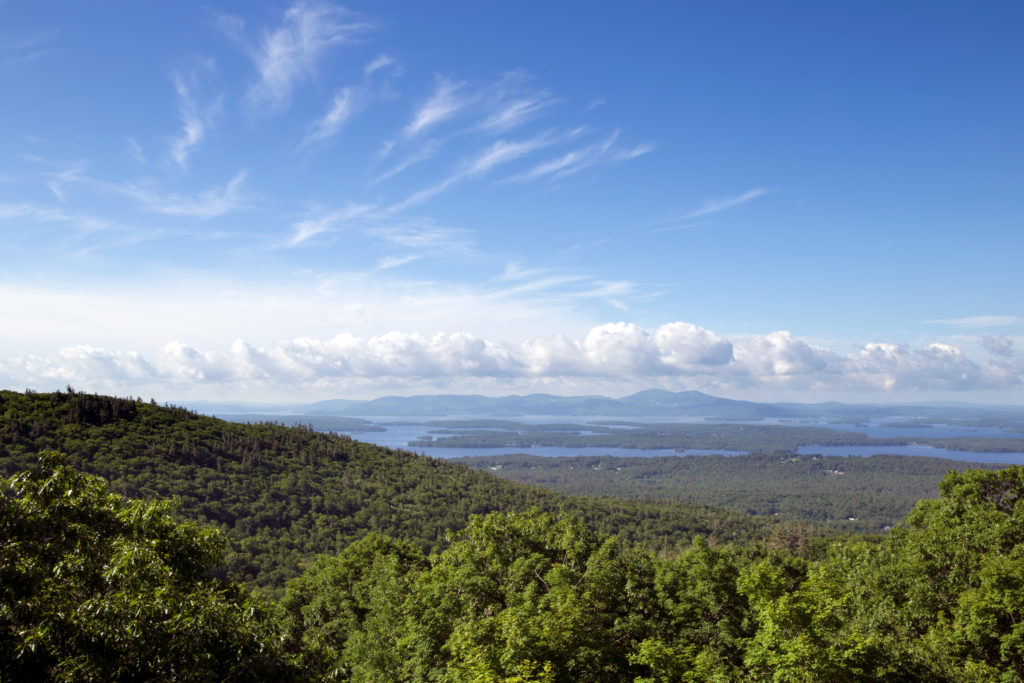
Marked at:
<point>778,354</point>
<point>684,345</point>
<point>82,364</point>
<point>900,367</point>
<point>999,346</point>
<point>614,352</point>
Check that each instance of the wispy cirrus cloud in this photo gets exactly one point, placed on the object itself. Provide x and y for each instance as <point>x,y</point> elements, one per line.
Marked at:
<point>574,161</point>
<point>207,204</point>
<point>426,236</point>
<point>327,126</point>
<point>708,208</point>
<point>515,113</point>
<point>446,101</point>
<point>135,150</point>
<point>425,152</point>
<point>59,179</point>
<point>289,54</point>
<point>26,49</point>
<point>980,321</point>
<point>350,100</point>
<point>500,152</point>
<point>194,121</point>
<point>381,62</point>
<point>716,206</point>
<point>512,101</point>
<point>82,222</point>
<point>389,262</point>
<point>308,228</point>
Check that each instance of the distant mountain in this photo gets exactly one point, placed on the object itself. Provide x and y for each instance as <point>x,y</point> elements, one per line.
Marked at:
<point>650,403</point>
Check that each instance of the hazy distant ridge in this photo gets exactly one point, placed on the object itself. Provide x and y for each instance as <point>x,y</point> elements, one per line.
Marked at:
<point>651,403</point>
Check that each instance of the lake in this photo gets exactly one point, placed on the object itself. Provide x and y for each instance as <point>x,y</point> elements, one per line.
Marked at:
<point>400,435</point>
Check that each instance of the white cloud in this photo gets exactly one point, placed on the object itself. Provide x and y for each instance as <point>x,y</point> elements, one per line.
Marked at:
<point>674,352</point>
<point>193,125</point>
<point>981,321</point>
<point>289,54</point>
<point>207,204</point>
<point>572,162</point>
<point>498,153</point>
<point>504,151</point>
<point>684,345</point>
<point>83,223</point>
<point>778,354</point>
<point>425,152</point>
<point>999,346</point>
<point>340,111</point>
<point>446,101</point>
<point>84,364</point>
<point>59,179</point>
<point>310,227</point>
<point>898,366</point>
<point>721,205</point>
<point>514,113</point>
<point>426,236</point>
<point>380,62</point>
<point>389,262</point>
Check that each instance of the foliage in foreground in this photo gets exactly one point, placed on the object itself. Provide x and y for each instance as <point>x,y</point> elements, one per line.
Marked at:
<point>94,587</point>
<point>536,596</point>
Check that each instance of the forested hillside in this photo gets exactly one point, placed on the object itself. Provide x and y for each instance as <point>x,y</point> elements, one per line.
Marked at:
<point>95,587</point>
<point>283,495</point>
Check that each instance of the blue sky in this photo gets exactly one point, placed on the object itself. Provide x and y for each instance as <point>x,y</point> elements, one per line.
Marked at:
<point>274,201</point>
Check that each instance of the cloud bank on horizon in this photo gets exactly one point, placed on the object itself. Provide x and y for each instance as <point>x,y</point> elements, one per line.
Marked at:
<point>617,355</point>
<point>306,200</point>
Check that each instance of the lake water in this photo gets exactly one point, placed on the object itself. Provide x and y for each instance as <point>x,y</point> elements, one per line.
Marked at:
<point>400,435</point>
<point>927,451</point>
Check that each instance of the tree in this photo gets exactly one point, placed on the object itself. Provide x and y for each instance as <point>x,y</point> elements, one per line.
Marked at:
<point>97,587</point>
<point>344,614</point>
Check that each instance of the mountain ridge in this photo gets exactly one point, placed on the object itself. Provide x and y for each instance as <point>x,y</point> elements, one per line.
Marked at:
<point>646,403</point>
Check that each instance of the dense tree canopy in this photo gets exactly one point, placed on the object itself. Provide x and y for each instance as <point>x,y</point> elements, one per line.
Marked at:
<point>94,587</point>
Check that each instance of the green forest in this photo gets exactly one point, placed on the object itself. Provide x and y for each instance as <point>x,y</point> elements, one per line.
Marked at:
<point>145,542</point>
<point>865,495</point>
